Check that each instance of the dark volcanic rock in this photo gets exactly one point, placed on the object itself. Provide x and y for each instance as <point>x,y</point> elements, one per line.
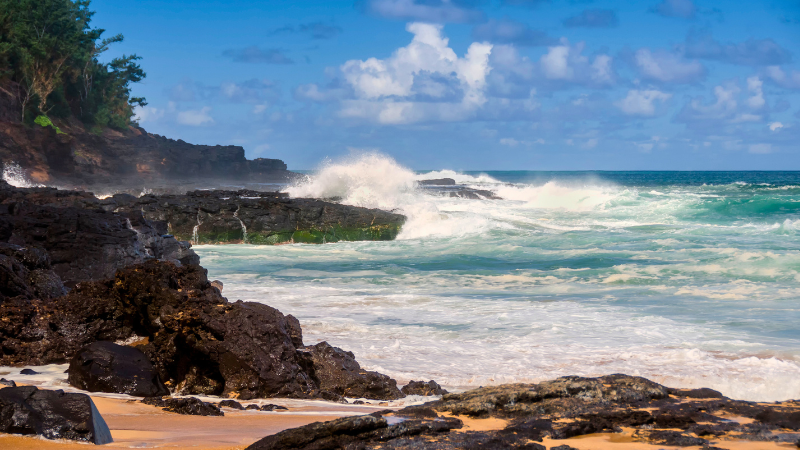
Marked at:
<point>337,371</point>
<point>28,372</point>
<point>230,404</point>
<point>52,414</point>
<point>198,341</point>
<point>107,367</point>
<point>82,241</point>
<point>212,217</point>
<point>8,383</point>
<point>423,388</point>
<point>438,182</point>
<point>556,409</point>
<point>26,272</point>
<point>129,158</point>
<point>188,406</point>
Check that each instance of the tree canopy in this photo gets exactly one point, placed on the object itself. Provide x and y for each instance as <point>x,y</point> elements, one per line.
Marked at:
<point>49,64</point>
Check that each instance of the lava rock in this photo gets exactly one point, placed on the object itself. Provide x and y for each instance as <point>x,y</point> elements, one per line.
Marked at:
<point>51,414</point>
<point>107,367</point>
<point>28,372</point>
<point>189,406</point>
<point>8,383</point>
<point>438,182</point>
<point>423,388</point>
<point>338,371</point>
<point>271,407</point>
<point>230,404</point>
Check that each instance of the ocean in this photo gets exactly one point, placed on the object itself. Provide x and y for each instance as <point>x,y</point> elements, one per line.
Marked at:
<point>691,279</point>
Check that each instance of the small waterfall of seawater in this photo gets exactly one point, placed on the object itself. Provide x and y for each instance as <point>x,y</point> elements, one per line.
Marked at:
<point>139,240</point>
<point>195,238</point>
<point>244,228</point>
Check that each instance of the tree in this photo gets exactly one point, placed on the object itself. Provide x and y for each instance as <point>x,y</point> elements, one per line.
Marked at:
<point>52,56</point>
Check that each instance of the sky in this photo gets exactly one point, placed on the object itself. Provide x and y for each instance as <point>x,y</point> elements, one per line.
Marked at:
<point>474,84</point>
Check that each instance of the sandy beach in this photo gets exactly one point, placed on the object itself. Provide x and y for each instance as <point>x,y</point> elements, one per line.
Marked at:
<point>135,425</point>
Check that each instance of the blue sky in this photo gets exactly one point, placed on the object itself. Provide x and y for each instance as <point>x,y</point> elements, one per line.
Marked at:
<point>474,84</point>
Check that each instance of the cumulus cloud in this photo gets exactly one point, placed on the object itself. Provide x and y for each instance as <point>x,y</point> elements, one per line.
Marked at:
<point>567,63</point>
<point>752,52</point>
<point>724,109</point>
<point>144,114</point>
<point>389,90</point>
<point>684,9</point>
<point>508,31</point>
<point>195,117</point>
<point>667,67</point>
<point>756,101</point>
<point>642,103</point>
<point>255,55</point>
<point>790,80</point>
<point>593,18</point>
<point>316,30</point>
<point>438,11</point>
<point>775,126</point>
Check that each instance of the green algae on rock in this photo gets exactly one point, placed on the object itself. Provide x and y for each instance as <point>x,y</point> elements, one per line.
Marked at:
<point>263,218</point>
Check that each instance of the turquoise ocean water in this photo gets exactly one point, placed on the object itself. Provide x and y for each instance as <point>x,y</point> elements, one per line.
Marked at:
<point>688,278</point>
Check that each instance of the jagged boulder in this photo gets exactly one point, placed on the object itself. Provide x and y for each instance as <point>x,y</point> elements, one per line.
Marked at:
<point>26,272</point>
<point>338,372</point>
<point>423,388</point>
<point>51,414</point>
<point>107,367</point>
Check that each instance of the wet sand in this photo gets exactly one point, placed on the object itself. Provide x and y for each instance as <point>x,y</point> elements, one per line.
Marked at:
<point>135,425</point>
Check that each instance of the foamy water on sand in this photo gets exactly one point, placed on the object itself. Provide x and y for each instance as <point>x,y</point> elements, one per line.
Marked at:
<point>688,279</point>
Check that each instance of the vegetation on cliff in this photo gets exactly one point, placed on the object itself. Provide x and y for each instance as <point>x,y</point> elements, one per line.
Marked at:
<point>50,65</point>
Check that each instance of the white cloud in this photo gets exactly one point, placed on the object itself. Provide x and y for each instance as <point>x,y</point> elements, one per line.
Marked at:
<point>511,142</point>
<point>258,109</point>
<point>567,63</point>
<point>775,126</point>
<point>788,80</point>
<point>195,118</point>
<point>756,101</point>
<point>667,67</point>
<point>641,103</point>
<point>385,90</point>
<point>760,149</point>
<point>724,106</point>
<point>143,114</point>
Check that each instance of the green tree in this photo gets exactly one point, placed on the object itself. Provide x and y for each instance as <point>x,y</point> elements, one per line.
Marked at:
<point>50,57</point>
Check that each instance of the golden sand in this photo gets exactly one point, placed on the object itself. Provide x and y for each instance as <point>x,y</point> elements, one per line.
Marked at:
<point>136,425</point>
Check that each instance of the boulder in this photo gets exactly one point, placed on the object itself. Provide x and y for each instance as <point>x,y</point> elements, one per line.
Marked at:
<point>189,406</point>
<point>51,414</point>
<point>337,371</point>
<point>107,367</point>
<point>198,342</point>
<point>423,388</point>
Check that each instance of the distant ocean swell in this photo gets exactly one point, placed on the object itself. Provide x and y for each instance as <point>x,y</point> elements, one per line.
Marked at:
<point>691,279</point>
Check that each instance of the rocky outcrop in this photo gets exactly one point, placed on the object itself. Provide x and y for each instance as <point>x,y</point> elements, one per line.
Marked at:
<point>198,341</point>
<point>134,157</point>
<point>82,240</point>
<point>107,367</point>
<point>213,217</point>
<point>26,272</point>
<point>188,406</point>
<point>523,414</point>
<point>51,414</point>
<point>423,388</point>
<point>337,371</point>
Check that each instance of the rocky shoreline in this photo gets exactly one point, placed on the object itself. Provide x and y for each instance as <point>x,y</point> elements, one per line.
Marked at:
<point>112,287</point>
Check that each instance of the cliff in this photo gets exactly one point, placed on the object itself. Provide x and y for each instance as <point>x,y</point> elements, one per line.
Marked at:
<point>131,159</point>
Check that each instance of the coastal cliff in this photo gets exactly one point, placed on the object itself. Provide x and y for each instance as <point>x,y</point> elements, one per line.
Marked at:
<point>116,160</point>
